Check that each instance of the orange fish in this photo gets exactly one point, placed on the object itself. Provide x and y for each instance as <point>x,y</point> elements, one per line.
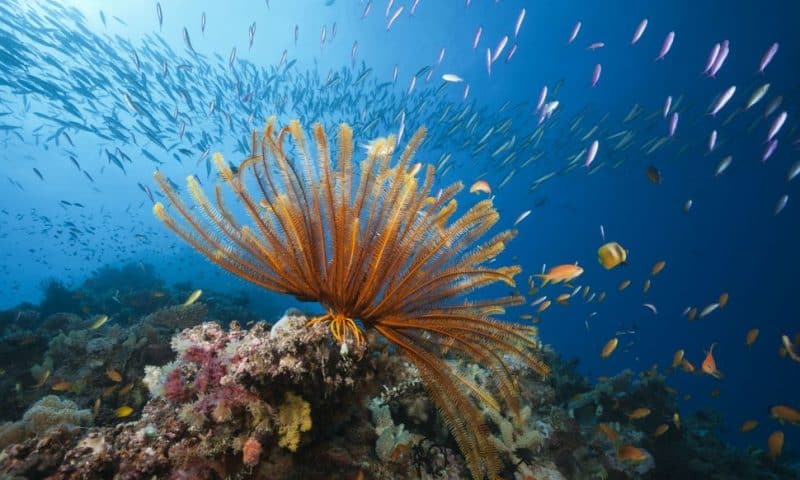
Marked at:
<point>646,286</point>
<point>751,337</point>
<point>399,451</point>
<point>609,348</point>
<point>676,419</point>
<point>785,413</point>
<point>692,314</point>
<point>561,273</point>
<point>687,366</point>
<point>562,299</point>
<point>61,386</point>
<point>543,306</point>
<point>639,413</point>
<point>113,375</point>
<point>723,300</point>
<point>775,444</point>
<point>658,267</point>
<point>608,431</point>
<point>661,430</point>
<point>709,365</point>
<point>748,426</point>
<point>481,186</point>
<point>623,285</point>
<point>677,359</point>
<point>601,297</point>
<point>629,453</point>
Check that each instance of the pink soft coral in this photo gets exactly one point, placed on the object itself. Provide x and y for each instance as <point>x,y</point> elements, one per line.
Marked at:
<point>175,387</point>
<point>251,452</point>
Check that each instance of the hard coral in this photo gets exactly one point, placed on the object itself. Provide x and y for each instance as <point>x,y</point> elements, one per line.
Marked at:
<point>47,414</point>
<point>374,247</point>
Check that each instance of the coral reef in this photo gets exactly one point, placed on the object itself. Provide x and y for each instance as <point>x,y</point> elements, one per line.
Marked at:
<point>52,347</point>
<point>48,413</point>
<point>287,402</point>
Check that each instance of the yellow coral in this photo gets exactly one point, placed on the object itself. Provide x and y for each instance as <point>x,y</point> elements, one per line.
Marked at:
<point>294,416</point>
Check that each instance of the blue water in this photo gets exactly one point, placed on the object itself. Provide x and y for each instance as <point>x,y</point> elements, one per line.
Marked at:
<point>730,241</point>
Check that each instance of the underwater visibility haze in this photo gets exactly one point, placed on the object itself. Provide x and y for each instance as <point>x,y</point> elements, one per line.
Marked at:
<point>399,239</point>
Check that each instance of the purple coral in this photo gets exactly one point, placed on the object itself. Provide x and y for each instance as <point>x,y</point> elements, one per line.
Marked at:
<point>175,387</point>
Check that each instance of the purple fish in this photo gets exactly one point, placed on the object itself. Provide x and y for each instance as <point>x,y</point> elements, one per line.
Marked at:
<point>591,153</point>
<point>781,204</point>
<point>773,49</point>
<point>511,52</point>
<point>499,49</point>
<point>394,16</point>
<point>466,91</point>
<point>667,105</point>
<point>517,25</point>
<point>769,150</point>
<point>712,57</point>
<point>477,38</point>
<point>489,61</point>
<point>542,97</point>
<point>413,7</point>
<point>673,123</point>
<point>712,141</point>
<point>413,83</point>
<point>574,34</point>
<point>596,46</point>
<point>723,99</point>
<point>666,46</point>
<point>724,49</point>
<point>596,75</point>
<point>773,105</point>
<point>637,34</point>
<point>776,125</point>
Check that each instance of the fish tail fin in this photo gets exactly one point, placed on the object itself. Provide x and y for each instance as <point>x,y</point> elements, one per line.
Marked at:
<point>545,277</point>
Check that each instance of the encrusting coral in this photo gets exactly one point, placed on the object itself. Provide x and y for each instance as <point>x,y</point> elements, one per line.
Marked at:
<point>376,248</point>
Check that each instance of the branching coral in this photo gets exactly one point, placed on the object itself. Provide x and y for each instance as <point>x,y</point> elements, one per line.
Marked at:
<point>374,247</point>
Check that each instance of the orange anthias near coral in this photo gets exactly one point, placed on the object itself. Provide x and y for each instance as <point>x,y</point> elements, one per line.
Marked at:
<point>709,365</point>
<point>377,248</point>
